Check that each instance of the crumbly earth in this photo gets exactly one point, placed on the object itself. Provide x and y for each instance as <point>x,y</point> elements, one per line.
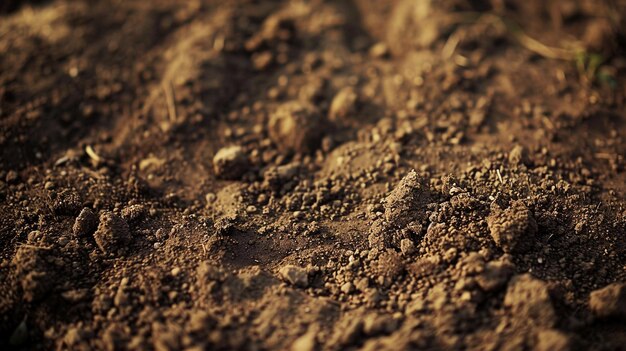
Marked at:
<point>312,175</point>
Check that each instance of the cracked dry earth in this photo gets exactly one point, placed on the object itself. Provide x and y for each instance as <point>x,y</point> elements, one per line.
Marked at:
<point>312,175</point>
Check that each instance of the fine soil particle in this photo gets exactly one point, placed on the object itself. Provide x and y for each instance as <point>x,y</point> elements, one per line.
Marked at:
<point>312,175</point>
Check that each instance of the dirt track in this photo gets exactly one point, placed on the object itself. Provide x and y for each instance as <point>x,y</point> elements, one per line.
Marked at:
<point>315,175</point>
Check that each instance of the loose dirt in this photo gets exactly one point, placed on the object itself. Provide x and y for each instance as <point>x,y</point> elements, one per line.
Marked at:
<point>312,175</point>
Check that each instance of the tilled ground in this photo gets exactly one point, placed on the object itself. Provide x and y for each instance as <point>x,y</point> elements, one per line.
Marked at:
<point>312,175</point>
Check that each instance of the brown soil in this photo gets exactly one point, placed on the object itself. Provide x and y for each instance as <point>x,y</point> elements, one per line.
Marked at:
<point>312,175</point>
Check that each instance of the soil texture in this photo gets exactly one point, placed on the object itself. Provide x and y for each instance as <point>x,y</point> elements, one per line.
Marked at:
<point>313,175</point>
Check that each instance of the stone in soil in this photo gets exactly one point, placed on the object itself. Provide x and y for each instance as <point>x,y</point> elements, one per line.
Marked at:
<point>294,275</point>
<point>112,234</point>
<point>296,126</point>
<point>529,300</point>
<point>231,163</point>
<point>609,302</point>
<point>513,229</point>
<point>86,223</point>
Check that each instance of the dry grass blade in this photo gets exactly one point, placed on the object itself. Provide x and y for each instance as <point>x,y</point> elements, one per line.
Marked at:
<point>171,102</point>
<point>516,31</point>
<point>528,42</point>
<point>92,154</point>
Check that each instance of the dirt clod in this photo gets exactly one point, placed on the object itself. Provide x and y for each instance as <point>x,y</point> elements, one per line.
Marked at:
<point>551,339</point>
<point>415,25</point>
<point>347,287</point>
<point>343,104</point>
<point>518,155</point>
<point>407,202</point>
<point>296,126</point>
<point>134,213</point>
<point>230,162</point>
<point>529,300</point>
<point>495,275</point>
<point>404,212</point>
<point>11,177</point>
<point>600,36</point>
<point>86,223</point>
<point>294,275</point>
<point>375,324</point>
<point>407,247</point>
<point>387,267</point>
<point>379,50</point>
<point>112,234</point>
<point>513,229</point>
<point>66,202</point>
<point>306,342</point>
<point>609,301</point>
<point>33,272</point>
